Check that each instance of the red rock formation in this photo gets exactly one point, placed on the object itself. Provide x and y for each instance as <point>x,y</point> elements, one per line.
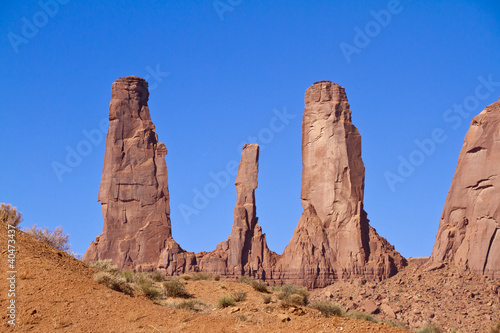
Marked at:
<point>333,239</point>
<point>468,234</point>
<point>134,192</point>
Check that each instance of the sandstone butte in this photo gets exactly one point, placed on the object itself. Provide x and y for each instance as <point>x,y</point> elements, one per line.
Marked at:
<point>468,234</point>
<point>333,239</point>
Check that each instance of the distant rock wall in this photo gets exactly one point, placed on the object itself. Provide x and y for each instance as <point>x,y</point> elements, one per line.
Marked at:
<point>468,234</point>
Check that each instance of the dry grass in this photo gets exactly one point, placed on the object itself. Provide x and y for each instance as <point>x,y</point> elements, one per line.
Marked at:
<point>175,288</point>
<point>327,308</point>
<point>55,238</point>
<point>10,215</point>
<point>239,296</point>
<point>225,301</point>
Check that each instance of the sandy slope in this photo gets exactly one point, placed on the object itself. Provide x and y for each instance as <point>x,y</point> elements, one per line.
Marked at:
<point>55,292</point>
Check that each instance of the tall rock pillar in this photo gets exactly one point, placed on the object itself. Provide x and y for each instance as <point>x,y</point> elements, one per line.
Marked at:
<point>134,192</point>
<point>333,239</point>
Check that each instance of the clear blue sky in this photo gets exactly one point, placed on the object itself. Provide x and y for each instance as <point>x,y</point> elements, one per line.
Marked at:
<point>228,69</point>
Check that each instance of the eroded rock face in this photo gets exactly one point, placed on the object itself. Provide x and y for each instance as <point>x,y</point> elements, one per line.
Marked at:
<point>134,192</point>
<point>468,234</point>
<point>333,239</point>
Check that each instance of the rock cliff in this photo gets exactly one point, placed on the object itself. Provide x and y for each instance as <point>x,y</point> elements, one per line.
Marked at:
<point>468,234</point>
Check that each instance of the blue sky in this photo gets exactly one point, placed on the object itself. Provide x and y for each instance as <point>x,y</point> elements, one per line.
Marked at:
<point>415,73</point>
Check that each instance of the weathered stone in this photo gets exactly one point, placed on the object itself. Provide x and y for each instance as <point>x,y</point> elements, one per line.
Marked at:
<point>468,234</point>
<point>333,239</point>
<point>134,192</point>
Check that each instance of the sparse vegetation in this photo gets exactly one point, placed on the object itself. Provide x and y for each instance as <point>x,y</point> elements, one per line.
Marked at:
<point>157,276</point>
<point>128,276</point>
<point>114,282</point>
<point>361,315</point>
<point>106,265</point>
<point>267,299</point>
<point>186,277</point>
<point>175,288</point>
<point>201,276</point>
<point>140,278</point>
<point>217,277</point>
<point>10,215</point>
<point>191,305</point>
<point>225,301</point>
<point>257,285</point>
<point>430,328</point>
<point>397,324</point>
<point>55,238</point>
<point>239,296</point>
<point>149,290</point>
<point>291,294</point>
<point>327,308</point>
<point>495,328</point>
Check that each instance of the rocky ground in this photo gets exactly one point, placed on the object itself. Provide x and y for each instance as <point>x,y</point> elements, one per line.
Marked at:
<point>56,292</point>
<point>453,299</point>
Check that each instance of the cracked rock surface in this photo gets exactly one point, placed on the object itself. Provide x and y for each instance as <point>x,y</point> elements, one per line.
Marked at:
<point>468,233</point>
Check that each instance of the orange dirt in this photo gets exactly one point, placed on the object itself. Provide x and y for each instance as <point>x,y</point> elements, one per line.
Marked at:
<point>56,292</point>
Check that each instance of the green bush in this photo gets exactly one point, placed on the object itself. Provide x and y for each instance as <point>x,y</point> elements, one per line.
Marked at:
<point>175,288</point>
<point>10,215</point>
<point>201,276</point>
<point>225,301</point>
<point>327,309</point>
<point>128,276</point>
<point>361,315</point>
<point>55,238</point>
<point>430,328</point>
<point>149,290</point>
<point>239,296</point>
<point>105,265</point>
<point>292,295</point>
<point>267,299</point>
<point>114,282</point>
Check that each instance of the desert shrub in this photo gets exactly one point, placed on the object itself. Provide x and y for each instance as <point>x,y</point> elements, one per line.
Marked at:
<point>266,299</point>
<point>327,309</point>
<point>191,305</point>
<point>217,277</point>
<point>430,328</point>
<point>245,279</point>
<point>175,288</point>
<point>113,281</point>
<point>149,290</point>
<point>105,265</point>
<point>128,276</point>
<point>157,276</point>
<point>397,324</point>
<point>55,238</point>
<point>225,301</point>
<point>201,276</point>
<point>239,296</point>
<point>141,278</point>
<point>293,295</point>
<point>362,315</point>
<point>10,215</point>
<point>186,277</point>
<point>257,285</point>
<point>495,328</point>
